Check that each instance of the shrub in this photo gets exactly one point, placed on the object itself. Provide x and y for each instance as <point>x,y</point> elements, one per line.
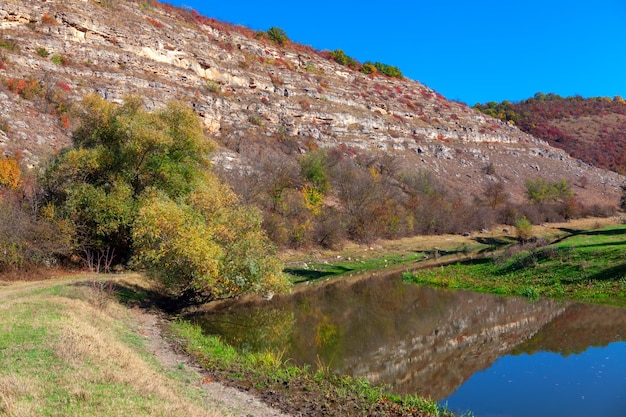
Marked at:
<point>255,119</point>
<point>48,20</point>
<point>540,190</point>
<point>523,230</point>
<point>27,240</point>
<point>388,70</point>
<point>27,88</point>
<point>9,44</point>
<point>313,170</point>
<point>368,68</point>
<point>10,173</point>
<point>304,104</point>
<point>42,52</point>
<point>154,22</point>
<point>277,35</point>
<point>213,86</point>
<point>340,57</point>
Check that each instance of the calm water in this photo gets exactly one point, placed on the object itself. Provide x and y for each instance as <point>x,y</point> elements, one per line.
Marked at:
<point>492,355</point>
<point>591,383</point>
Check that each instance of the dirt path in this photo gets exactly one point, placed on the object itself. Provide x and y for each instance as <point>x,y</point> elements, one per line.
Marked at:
<point>225,400</point>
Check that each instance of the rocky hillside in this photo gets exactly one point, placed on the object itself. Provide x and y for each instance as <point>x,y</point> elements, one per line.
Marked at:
<point>254,96</point>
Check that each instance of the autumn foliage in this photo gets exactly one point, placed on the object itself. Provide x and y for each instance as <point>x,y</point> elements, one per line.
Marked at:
<point>10,173</point>
<point>136,190</point>
<point>591,129</point>
<point>327,197</point>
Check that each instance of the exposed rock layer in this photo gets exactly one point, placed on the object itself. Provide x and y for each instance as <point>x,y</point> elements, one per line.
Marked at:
<point>243,87</point>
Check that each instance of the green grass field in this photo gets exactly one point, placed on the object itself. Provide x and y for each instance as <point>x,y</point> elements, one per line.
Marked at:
<point>585,265</point>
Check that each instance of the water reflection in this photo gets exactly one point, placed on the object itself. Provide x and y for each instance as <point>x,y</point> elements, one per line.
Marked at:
<point>418,340</point>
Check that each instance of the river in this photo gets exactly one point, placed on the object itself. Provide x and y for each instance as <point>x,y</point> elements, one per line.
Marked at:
<point>495,356</point>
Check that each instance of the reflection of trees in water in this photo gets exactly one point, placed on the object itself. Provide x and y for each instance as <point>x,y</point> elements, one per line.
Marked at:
<point>420,340</point>
<point>427,341</point>
<point>251,329</point>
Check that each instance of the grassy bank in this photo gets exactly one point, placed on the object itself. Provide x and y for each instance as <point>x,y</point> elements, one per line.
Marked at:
<point>299,390</point>
<point>584,265</point>
<point>77,346</point>
<point>67,349</point>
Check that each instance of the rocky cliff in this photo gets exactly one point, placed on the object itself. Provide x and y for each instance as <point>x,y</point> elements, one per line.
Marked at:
<point>251,94</point>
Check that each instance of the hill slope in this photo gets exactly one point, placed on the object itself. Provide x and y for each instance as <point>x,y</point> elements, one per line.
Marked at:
<point>592,129</point>
<point>256,98</point>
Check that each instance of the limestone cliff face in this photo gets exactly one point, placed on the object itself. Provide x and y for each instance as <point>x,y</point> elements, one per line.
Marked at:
<point>246,88</point>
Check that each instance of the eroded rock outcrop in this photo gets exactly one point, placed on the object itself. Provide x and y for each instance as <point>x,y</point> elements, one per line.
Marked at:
<point>245,88</point>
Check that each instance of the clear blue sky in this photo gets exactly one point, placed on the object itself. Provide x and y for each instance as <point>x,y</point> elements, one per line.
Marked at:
<point>473,51</point>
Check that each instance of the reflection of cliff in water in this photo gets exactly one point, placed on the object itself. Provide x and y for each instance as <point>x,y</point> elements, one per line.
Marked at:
<point>579,327</point>
<point>419,340</point>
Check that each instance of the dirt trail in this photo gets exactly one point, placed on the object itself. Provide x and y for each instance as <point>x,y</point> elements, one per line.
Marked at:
<point>227,401</point>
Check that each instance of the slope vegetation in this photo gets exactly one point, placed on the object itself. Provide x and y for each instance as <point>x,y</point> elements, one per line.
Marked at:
<point>590,129</point>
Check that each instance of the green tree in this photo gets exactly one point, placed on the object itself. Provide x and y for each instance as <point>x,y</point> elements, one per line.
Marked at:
<point>541,190</point>
<point>340,57</point>
<point>388,70</point>
<point>138,185</point>
<point>118,153</point>
<point>368,68</point>
<point>523,229</point>
<point>277,35</point>
<point>313,169</point>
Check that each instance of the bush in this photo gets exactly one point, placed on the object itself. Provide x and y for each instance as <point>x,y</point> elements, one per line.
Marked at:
<point>26,88</point>
<point>9,44</point>
<point>368,68</point>
<point>313,169</point>
<point>42,52</point>
<point>137,184</point>
<point>27,240</point>
<point>541,190</point>
<point>277,35</point>
<point>10,173</point>
<point>523,230</point>
<point>341,58</point>
<point>388,70</point>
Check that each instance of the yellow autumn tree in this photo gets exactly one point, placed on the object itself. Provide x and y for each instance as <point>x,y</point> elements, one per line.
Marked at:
<point>10,173</point>
<point>138,185</point>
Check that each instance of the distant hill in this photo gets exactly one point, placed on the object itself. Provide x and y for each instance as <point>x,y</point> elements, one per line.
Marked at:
<point>590,129</point>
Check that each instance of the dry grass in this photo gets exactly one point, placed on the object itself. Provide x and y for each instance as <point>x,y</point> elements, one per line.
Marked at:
<point>63,355</point>
<point>448,242</point>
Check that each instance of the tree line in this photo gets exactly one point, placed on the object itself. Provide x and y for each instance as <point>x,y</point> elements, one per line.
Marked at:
<point>328,196</point>
<point>136,190</point>
<point>599,141</point>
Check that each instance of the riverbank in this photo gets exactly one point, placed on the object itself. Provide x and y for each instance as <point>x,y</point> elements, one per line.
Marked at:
<point>585,265</point>
<point>455,243</point>
<point>97,345</point>
<point>94,345</point>
<point>68,347</point>
<point>578,260</point>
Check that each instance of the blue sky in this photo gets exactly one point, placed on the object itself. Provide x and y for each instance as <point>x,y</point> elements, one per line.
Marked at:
<point>473,51</point>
